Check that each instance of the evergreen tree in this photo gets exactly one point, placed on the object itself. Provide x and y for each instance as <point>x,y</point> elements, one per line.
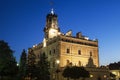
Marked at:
<point>66,72</point>
<point>22,65</point>
<point>43,67</point>
<point>31,66</point>
<point>8,67</point>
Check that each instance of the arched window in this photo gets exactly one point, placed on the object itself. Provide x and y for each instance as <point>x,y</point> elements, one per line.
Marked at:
<point>50,52</point>
<point>68,50</point>
<point>54,51</point>
<point>79,52</point>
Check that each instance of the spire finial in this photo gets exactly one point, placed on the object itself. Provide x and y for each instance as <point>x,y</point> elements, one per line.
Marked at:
<point>52,11</point>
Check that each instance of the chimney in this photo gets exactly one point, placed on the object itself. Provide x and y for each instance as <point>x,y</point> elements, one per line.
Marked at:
<point>79,35</point>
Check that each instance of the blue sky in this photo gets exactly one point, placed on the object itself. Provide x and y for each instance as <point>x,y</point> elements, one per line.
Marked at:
<point>22,23</point>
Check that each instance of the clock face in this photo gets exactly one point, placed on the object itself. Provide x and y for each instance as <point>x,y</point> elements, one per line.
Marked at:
<point>52,33</point>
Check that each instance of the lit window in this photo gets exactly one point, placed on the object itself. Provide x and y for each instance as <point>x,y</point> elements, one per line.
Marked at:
<point>79,52</point>
<point>68,50</point>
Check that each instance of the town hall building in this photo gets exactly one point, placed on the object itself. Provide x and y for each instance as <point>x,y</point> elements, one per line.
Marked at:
<point>64,49</point>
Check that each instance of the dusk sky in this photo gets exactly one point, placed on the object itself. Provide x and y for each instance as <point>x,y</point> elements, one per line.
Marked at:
<point>22,23</point>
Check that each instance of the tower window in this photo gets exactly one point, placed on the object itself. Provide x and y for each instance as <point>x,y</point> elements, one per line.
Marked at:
<point>68,50</point>
<point>79,52</point>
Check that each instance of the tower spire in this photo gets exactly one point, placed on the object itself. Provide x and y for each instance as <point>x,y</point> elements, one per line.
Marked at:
<point>52,11</point>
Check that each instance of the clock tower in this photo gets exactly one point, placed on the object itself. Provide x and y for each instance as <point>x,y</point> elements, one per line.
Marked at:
<point>51,29</point>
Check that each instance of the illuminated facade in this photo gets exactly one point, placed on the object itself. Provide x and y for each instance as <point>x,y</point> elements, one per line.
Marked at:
<point>66,49</point>
<point>117,73</point>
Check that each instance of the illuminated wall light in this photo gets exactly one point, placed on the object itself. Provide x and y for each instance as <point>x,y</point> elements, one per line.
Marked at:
<point>17,64</point>
<point>44,42</point>
<point>105,76</point>
<point>57,61</point>
<point>91,75</point>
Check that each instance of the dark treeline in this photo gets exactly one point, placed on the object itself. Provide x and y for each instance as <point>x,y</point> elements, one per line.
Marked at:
<point>28,68</point>
<point>114,66</point>
<point>8,67</point>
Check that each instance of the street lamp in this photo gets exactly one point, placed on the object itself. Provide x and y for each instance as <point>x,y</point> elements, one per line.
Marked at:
<point>57,71</point>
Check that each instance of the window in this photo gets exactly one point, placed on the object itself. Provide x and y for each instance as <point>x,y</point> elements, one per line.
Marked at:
<point>38,56</point>
<point>50,52</point>
<point>54,51</point>
<point>68,50</point>
<point>53,64</point>
<point>79,52</point>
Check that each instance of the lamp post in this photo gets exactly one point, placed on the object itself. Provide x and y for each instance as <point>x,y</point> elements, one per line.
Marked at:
<point>57,70</point>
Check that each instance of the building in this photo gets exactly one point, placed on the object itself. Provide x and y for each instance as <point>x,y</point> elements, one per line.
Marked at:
<point>115,69</point>
<point>116,73</point>
<point>66,49</point>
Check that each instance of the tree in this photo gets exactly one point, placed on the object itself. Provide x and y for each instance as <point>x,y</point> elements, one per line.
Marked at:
<point>31,66</point>
<point>66,72</point>
<point>8,67</point>
<point>75,72</point>
<point>43,67</point>
<point>84,73</point>
<point>22,65</point>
